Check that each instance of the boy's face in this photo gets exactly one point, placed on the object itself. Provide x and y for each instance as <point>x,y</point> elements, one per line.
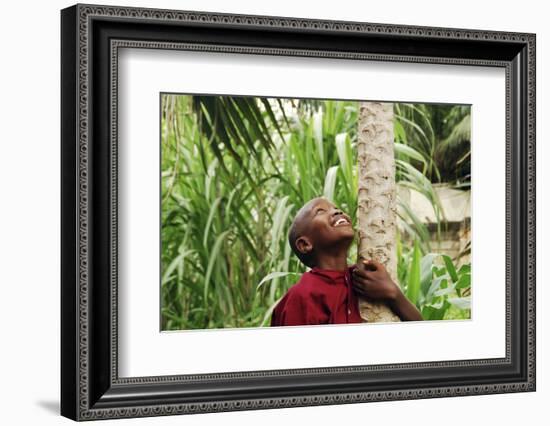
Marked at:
<point>324,227</point>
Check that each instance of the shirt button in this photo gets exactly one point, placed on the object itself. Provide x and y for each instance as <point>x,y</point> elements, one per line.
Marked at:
<point>349,311</point>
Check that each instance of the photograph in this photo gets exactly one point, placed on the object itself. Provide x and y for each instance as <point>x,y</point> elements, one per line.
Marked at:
<point>299,212</point>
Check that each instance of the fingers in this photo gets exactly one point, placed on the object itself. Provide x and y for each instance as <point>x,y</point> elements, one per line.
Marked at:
<point>362,285</point>
<point>360,291</point>
<point>370,265</point>
<point>366,291</point>
<point>361,273</point>
<point>359,288</point>
<point>361,281</point>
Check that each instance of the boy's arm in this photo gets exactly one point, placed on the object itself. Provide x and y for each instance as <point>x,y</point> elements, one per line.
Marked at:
<point>405,309</point>
<point>373,281</point>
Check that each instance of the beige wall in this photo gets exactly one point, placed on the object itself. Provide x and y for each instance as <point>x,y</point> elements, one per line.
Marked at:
<point>455,231</point>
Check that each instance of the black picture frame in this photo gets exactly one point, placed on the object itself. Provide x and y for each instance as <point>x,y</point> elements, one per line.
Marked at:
<point>90,386</point>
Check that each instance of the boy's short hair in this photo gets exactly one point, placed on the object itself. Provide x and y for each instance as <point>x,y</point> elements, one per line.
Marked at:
<point>294,233</point>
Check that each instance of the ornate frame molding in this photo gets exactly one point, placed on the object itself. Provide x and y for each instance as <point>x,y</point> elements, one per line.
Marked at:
<point>86,397</point>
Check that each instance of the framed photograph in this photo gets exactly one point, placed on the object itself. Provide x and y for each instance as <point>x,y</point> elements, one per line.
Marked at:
<point>263,212</point>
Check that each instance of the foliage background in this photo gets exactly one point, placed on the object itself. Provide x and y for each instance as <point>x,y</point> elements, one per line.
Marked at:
<point>236,169</point>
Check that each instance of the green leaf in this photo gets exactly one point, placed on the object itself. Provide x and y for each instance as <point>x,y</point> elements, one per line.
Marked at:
<point>269,312</point>
<point>419,230</point>
<point>436,311</point>
<point>426,274</point>
<point>279,219</point>
<point>413,286</point>
<point>274,275</point>
<point>439,271</point>
<point>213,258</point>
<point>330,183</point>
<point>271,115</point>
<point>466,268</point>
<point>399,132</point>
<point>213,211</point>
<point>437,283</point>
<point>318,135</point>
<point>444,291</point>
<point>172,267</point>
<point>344,155</point>
<point>461,302</point>
<point>415,126</point>
<point>409,152</point>
<point>450,267</point>
<point>463,281</point>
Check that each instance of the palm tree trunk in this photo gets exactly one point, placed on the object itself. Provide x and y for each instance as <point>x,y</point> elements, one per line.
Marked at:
<point>376,199</point>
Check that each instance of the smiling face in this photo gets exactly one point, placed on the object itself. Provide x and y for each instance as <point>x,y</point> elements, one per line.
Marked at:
<point>320,227</point>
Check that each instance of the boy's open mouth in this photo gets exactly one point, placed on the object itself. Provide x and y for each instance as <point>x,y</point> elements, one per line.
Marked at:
<point>341,222</point>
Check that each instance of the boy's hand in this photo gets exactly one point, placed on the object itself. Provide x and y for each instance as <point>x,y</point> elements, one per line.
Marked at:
<point>370,279</point>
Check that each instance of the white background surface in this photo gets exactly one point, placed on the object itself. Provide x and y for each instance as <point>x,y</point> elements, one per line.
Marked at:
<point>29,225</point>
<point>143,351</point>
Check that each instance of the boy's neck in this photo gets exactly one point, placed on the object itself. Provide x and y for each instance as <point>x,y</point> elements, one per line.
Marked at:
<point>332,262</point>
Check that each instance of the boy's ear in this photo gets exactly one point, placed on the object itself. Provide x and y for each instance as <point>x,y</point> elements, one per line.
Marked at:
<point>303,245</point>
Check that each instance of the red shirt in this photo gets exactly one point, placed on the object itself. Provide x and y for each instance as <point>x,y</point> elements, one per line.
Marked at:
<point>320,297</point>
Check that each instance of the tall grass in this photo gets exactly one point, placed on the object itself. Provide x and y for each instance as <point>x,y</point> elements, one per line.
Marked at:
<point>234,173</point>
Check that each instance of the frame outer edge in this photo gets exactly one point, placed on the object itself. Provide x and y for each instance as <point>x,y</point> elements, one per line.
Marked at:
<point>531,213</point>
<point>82,102</point>
<point>69,190</point>
<point>80,207</point>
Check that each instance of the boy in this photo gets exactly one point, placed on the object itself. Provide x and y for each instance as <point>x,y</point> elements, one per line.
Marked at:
<point>320,236</point>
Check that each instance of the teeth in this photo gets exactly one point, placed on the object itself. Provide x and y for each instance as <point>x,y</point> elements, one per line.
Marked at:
<point>340,222</point>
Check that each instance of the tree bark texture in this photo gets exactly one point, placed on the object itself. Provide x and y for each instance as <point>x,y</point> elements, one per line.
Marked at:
<point>376,208</point>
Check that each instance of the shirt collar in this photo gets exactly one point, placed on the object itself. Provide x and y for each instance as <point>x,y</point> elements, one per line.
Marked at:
<point>330,275</point>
